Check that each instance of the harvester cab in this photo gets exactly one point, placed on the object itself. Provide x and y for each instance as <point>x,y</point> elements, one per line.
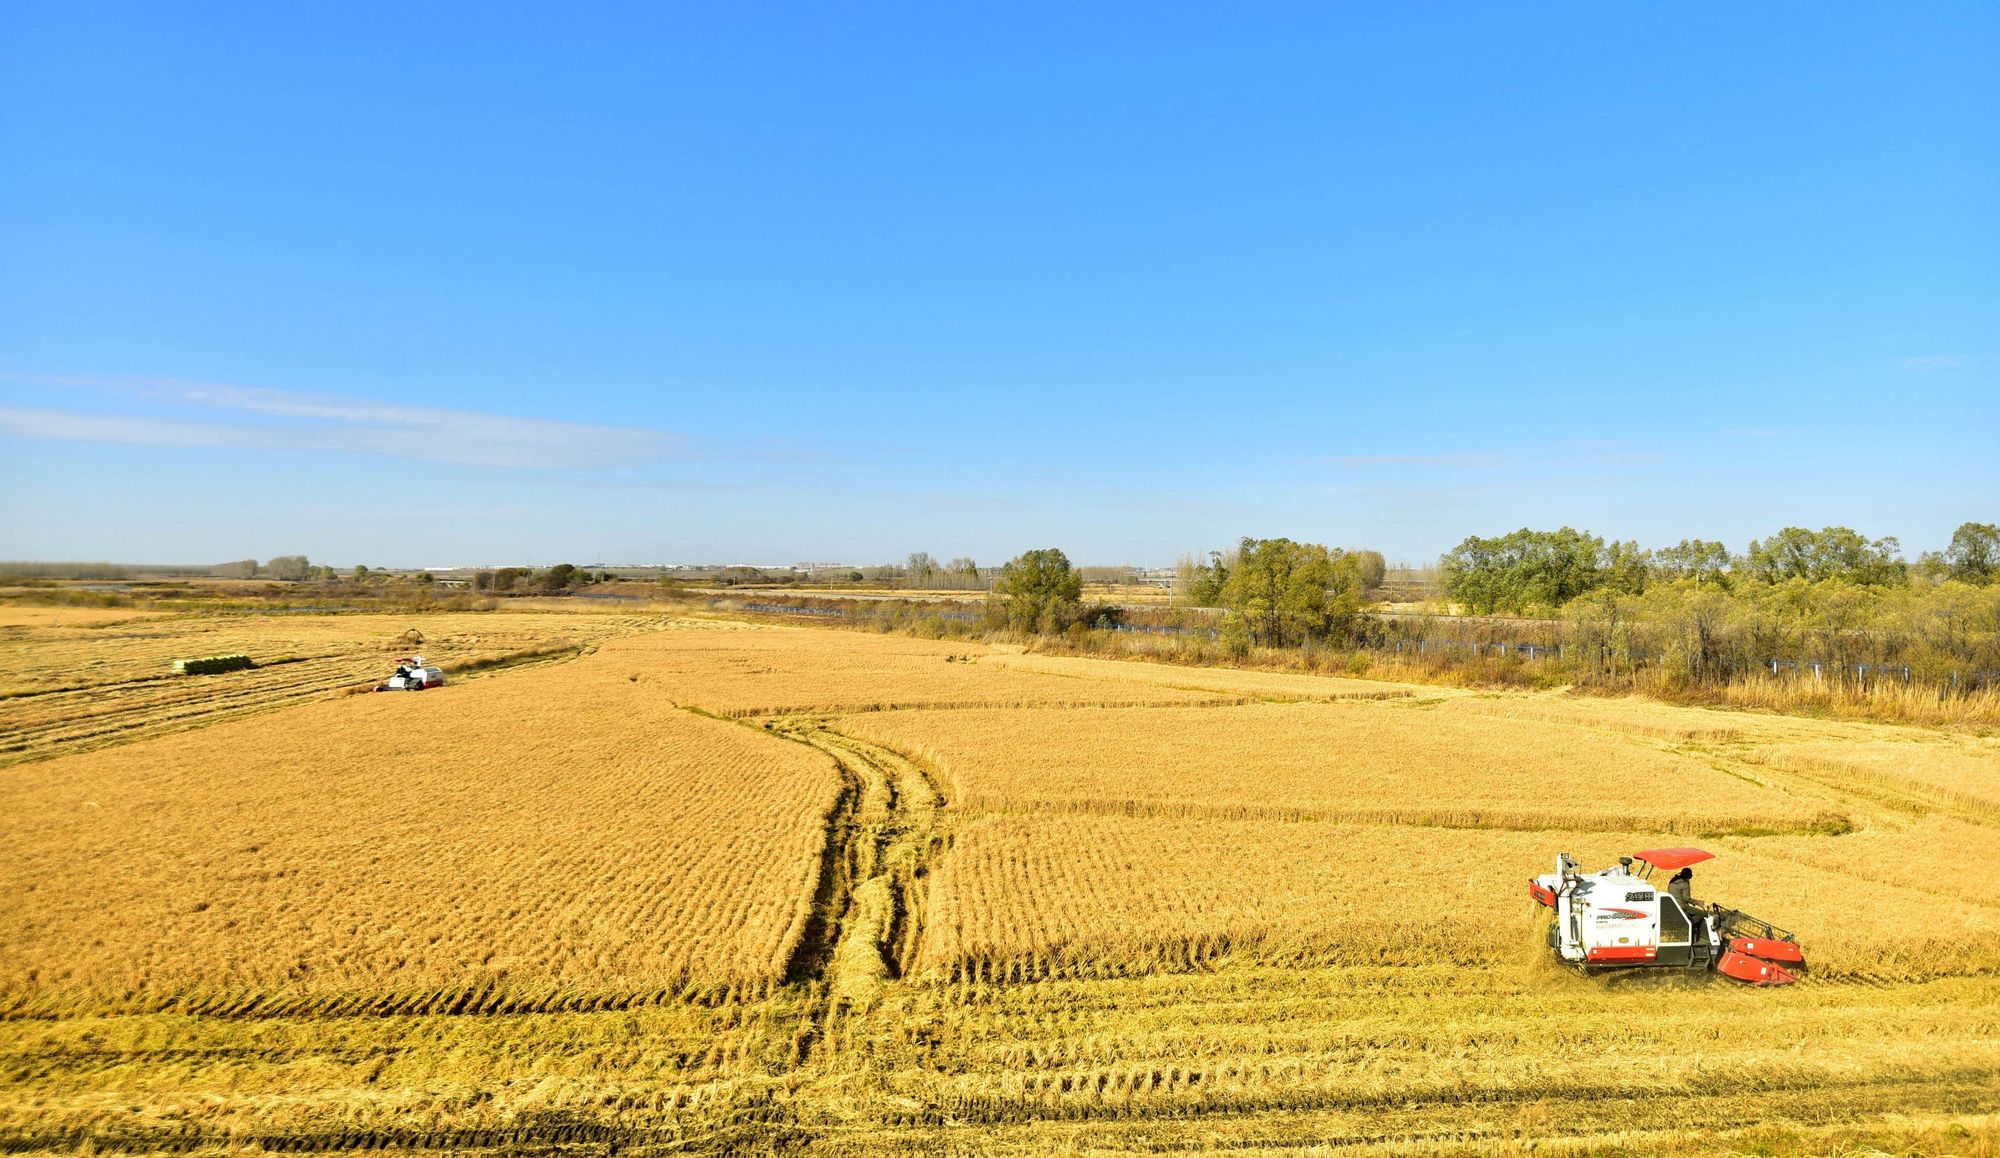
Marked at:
<point>1618,918</point>
<point>412,675</point>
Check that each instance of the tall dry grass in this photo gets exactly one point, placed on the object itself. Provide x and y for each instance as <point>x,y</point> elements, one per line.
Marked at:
<point>1925,704</point>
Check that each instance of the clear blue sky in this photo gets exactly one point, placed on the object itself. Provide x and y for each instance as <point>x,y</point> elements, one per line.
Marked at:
<point>431,284</point>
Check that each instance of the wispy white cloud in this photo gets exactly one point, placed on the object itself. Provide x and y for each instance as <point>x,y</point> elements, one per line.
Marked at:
<point>1475,460</point>
<point>285,420</point>
<point>1934,361</point>
<point>67,427</point>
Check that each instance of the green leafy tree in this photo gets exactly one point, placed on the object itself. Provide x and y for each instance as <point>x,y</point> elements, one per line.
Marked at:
<point>1625,568</point>
<point>1040,591</point>
<point>1832,553</point>
<point>1699,560</point>
<point>1974,554</point>
<point>1373,568</point>
<point>1287,593</point>
<point>1527,570</point>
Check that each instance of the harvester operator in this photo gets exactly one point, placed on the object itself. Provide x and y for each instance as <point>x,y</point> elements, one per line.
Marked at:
<point>1681,886</point>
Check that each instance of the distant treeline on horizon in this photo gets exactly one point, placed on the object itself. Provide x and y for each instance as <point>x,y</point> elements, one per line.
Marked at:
<point>1519,572</point>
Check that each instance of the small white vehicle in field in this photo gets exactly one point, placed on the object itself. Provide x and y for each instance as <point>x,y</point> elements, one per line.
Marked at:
<point>1617,919</point>
<point>412,675</point>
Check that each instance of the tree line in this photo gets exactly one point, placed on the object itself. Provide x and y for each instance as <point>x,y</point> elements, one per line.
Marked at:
<point>1830,604</point>
<point>1529,572</point>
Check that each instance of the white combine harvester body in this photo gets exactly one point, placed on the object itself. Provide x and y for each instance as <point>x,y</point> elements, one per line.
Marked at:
<point>1618,919</point>
<point>412,675</point>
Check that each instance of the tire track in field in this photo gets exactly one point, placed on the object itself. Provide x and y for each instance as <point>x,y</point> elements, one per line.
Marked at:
<point>884,836</point>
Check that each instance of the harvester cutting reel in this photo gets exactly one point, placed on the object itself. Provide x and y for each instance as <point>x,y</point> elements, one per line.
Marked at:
<point>1618,919</point>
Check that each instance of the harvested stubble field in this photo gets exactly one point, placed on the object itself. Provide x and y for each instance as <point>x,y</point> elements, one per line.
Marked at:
<point>916,895</point>
<point>72,679</point>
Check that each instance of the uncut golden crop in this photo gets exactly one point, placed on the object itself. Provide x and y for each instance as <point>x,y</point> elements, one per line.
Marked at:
<point>1965,774</point>
<point>1630,714</point>
<point>1360,761</point>
<point>788,669</point>
<point>16,618</point>
<point>1934,854</point>
<point>1025,897</point>
<point>560,834</point>
<point>1221,680</point>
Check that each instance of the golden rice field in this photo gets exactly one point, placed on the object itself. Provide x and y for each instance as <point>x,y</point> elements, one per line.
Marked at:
<point>775,670</point>
<point>1380,763</point>
<point>557,836</point>
<point>693,886</point>
<point>1040,896</point>
<point>1261,685</point>
<point>72,678</point>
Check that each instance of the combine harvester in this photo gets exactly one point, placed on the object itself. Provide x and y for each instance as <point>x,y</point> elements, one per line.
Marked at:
<point>1617,919</point>
<point>412,675</point>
